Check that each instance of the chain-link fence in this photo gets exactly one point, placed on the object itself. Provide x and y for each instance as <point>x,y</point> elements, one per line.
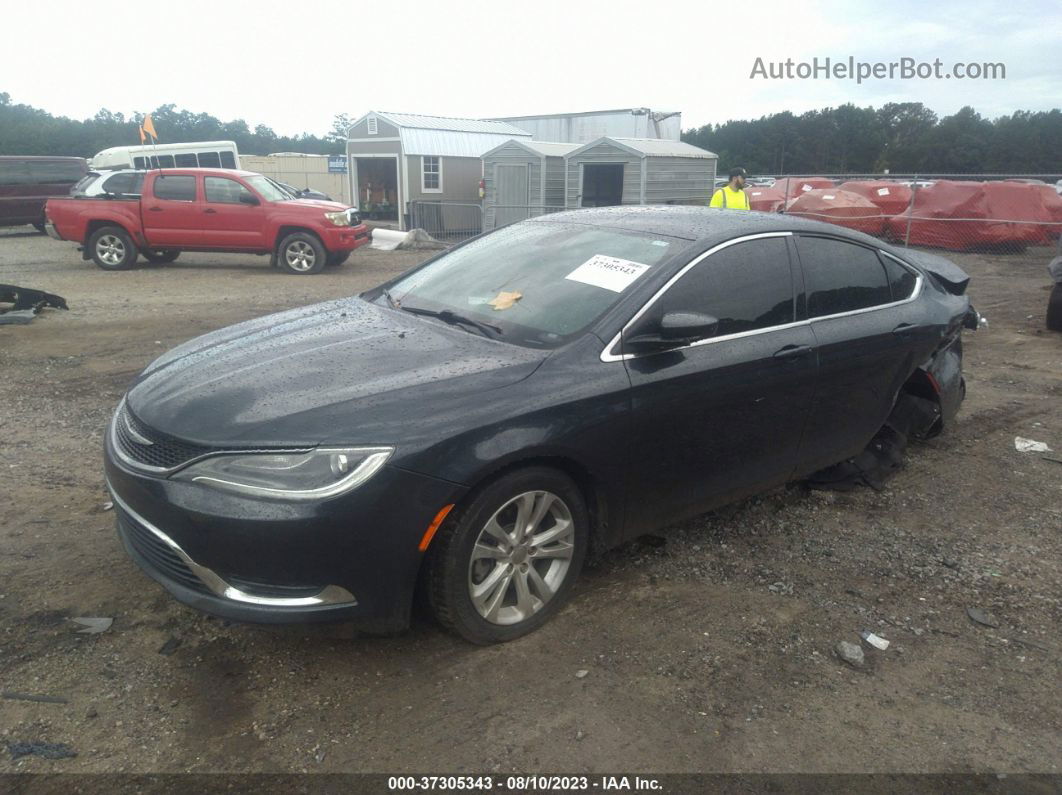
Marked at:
<point>496,216</point>
<point>446,221</point>
<point>1017,216</point>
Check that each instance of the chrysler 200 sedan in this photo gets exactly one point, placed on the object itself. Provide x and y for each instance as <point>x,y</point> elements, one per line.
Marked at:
<point>481,424</point>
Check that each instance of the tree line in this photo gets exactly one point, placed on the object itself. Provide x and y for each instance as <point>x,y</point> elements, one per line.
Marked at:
<point>25,130</point>
<point>904,137</point>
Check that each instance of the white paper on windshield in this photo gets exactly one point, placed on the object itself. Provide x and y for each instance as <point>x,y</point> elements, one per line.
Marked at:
<point>610,273</point>
<point>829,196</point>
<point>806,187</point>
<point>883,191</point>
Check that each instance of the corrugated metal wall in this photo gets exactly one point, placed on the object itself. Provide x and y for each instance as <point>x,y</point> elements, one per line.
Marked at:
<point>679,179</point>
<point>587,127</point>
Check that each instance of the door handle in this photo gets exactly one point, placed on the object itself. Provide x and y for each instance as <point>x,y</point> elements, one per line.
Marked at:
<point>210,210</point>
<point>904,328</point>
<point>155,209</point>
<point>793,352</point>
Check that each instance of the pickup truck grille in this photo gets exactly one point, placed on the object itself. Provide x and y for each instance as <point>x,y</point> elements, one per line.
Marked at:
<point>145,446</point>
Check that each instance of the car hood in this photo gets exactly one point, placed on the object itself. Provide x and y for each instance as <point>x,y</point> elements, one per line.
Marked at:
<point>317,204</point>
<point>345,370</point>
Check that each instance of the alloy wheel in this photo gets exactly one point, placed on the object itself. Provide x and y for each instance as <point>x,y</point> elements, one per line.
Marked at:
<point>110,249</point>
<point>521,557</point>
<point>300,256</point>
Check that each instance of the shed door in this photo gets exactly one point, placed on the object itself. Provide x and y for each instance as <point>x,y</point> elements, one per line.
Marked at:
<point>512,198</point>
<point>602,184</point>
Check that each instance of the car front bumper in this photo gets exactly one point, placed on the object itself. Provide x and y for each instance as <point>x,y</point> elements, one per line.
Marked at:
<point>354,557</point>
<point>345,238</point>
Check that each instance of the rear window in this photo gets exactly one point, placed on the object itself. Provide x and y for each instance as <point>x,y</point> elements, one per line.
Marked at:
<point>901,279</point>
<point>209,160</point>
<point>228,160</point>
<point>841,277</point>
<point>124,183</point>
<point>175,188</point>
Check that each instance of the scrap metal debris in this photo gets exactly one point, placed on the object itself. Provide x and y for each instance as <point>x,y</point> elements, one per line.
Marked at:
<point>979,616</point>
<point>25,303</point>
<point>44,750</point>
<point>93,626</point>
<point>1023,445</point>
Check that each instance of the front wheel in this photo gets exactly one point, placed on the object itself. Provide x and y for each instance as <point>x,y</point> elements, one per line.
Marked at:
<point>301,253</point>
<point>160,256</point>
<point>507,564</point>
<point>112,249</point>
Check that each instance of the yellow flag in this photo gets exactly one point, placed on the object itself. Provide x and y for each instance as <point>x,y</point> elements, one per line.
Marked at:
<point>149,127</point>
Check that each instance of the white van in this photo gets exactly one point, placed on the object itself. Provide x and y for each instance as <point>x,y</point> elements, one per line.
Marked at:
<point>197,154</point>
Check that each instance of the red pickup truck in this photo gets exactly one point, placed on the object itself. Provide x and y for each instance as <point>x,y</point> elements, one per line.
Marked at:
<point>205,209</point>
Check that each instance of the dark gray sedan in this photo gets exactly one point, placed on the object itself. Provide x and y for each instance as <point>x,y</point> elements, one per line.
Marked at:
<point>479,425</point>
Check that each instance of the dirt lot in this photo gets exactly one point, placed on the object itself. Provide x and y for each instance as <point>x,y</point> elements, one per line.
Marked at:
<point>709,653</point>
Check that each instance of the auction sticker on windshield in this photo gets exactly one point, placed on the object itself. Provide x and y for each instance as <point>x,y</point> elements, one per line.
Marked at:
<point>610,273</point>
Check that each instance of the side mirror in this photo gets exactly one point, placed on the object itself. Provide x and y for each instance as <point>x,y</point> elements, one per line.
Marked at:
<point>674,330</point>
<point>247,198</point>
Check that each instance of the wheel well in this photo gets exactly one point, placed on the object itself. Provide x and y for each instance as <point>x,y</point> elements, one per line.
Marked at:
<point>919,385</point>
<point>284,231</point>
<point>593,494</point>
<point>94,226</point>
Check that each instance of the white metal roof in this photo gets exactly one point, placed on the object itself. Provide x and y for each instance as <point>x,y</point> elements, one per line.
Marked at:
<point>540,148</point>
<point>660,147</point>
<point>452,124</point>
<point>448,137</point>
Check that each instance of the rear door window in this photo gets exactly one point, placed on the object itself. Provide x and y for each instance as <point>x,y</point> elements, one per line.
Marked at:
<point>224,191</point>
<point>179,188</point>
<point>747,286</point>
<point>841,276</point>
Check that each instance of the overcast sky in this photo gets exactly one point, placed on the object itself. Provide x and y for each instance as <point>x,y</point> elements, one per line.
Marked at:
<point>294,69</point>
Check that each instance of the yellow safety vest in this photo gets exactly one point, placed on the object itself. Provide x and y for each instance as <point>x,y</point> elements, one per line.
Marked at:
<point>730,199</point>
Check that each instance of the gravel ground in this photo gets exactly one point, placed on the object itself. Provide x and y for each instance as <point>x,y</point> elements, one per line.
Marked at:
<point>712,651</point>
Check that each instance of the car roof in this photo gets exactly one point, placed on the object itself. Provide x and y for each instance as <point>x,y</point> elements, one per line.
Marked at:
<point>702,224</point>
<point>210,172</point>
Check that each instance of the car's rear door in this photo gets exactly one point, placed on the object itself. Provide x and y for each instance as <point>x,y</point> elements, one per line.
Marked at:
<point>721,417</point>
<point>171,211</point>
<point>229,220</point>
<point>868,342</point>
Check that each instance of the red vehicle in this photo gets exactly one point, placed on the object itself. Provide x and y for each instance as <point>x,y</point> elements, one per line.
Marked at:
<point>204,209</point>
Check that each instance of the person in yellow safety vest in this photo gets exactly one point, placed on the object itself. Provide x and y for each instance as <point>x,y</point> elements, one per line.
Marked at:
<point>732,195</point>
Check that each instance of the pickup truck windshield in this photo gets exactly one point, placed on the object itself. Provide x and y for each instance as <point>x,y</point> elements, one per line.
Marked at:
<point>536,284</point>
<point>266,189</point>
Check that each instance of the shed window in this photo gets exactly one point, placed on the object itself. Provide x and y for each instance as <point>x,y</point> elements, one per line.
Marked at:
<point>372,125</point>
<point>430,174</point>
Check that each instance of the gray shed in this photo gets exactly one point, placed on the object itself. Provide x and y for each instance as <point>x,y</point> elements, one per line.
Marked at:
<point>611,171</point>
<point>522,179</point>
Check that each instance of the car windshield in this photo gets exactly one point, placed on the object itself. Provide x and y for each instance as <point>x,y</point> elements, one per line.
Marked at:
<point>267,188</point>
<point>535,283</point>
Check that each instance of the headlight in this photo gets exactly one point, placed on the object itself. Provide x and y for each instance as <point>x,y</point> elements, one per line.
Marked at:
<point>344,217</point>
<point>324,472</point>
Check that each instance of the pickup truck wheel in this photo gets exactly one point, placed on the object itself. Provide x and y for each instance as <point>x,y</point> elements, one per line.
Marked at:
<point>160,256</point>
<point>337,259</point>
<point>112,249</point>
<point>302,253</point>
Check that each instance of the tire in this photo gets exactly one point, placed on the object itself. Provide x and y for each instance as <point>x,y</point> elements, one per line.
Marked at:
<point>112,249</point>
<point>1054,309</point>
<point>302,254</point>
<point>490,591</point>
<point>337,259</point>
<point>160,256</point>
